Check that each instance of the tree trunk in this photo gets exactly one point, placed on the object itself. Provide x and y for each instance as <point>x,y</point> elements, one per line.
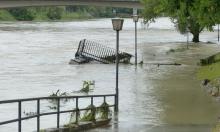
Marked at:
<point>195,28</point>
<point>195,37</point>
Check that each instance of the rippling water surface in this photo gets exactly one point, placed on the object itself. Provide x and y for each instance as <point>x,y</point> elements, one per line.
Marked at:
<point>34,60</point>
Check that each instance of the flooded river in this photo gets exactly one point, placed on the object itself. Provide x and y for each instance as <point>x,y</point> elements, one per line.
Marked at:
<point>34,60</point>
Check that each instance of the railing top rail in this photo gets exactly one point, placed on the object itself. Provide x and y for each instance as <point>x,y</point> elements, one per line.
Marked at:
<point>55,97</point>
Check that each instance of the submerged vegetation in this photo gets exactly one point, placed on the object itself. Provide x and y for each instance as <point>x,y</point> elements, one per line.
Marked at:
<point>87,86</point>
<point>53,102</point>
<point>89,115</point>
<point>93,114</point>
<point>176,50</point>
<point>104,111</point>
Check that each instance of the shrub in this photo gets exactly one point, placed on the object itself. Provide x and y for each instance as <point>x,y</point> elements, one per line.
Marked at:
<point>23,14</point>
<point>55,13</point>
<point>6,16</point>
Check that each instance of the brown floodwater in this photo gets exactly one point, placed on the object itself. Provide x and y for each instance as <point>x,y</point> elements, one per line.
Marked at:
<point>34,60</point>
<point>182,105</point>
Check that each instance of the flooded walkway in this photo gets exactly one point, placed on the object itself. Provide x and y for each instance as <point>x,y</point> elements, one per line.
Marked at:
<point>179,101</point>
<point>34,62</point>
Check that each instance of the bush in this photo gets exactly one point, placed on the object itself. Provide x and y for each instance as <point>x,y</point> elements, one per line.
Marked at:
<point>55,13</point>
<point>6,16</point>
<point>23,14</point>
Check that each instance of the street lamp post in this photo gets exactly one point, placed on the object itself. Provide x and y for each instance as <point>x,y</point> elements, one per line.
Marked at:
<point>117,26</point>
<point>187,30</point>
<point>135,19</point>
<point>187,38</point>
<point>218,32</point>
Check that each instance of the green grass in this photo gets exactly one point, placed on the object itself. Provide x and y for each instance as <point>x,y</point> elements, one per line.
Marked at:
<point>210,72</point>
<point>6,16</point>
<point>210,68</point>
<point>216,128</point>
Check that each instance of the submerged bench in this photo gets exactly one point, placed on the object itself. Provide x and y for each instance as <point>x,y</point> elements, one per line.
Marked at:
<point>93,51</point>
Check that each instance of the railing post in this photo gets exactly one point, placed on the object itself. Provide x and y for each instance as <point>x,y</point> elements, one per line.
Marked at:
<point>19,116</point>
<point>93,110</point>
<point>91,101</point>
<point>58,112</point>
<point>116,110</point>
<point>38,115</point>
<point>104,99</point>
<point>77,111</point>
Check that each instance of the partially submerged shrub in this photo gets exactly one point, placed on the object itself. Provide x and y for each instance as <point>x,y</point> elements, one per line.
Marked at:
<point>54,101</point>
<point>176,50</point>
<point>89,115</point>
<point>104,111</point>
<point>87,86</point>
<point>92,114</point>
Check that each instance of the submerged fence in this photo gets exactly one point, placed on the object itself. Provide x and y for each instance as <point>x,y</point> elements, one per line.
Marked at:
<point>58,111</point>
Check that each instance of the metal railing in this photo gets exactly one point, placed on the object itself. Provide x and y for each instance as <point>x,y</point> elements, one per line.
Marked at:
<point>58,112</point>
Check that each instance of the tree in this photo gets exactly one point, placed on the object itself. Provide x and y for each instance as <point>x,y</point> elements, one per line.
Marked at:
<point>209,13</point>
<point>23,14</point>
<point>183,13</point>
<point>55,13</point>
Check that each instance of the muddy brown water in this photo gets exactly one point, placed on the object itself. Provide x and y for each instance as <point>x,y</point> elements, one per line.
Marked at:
<point>34,62</point>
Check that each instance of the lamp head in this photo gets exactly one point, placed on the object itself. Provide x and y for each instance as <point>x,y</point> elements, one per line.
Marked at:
<point>135,18</point>
<point>117,23</point>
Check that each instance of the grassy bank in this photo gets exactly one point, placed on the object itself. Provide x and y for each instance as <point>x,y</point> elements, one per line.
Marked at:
<point>210,72</point>
<point>210,68</point>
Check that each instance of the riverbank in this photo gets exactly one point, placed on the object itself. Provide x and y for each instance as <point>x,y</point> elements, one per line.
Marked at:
<point>61,13</point>
<point>43,16</point>
<point>209,73</point>
<point>210,67</point>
